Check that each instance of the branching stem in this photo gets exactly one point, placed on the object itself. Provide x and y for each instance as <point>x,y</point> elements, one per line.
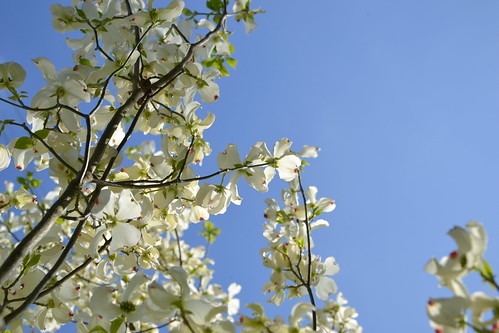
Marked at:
<point>309,253</point>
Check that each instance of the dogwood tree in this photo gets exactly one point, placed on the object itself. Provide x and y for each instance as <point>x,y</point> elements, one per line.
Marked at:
<point>104,247</point>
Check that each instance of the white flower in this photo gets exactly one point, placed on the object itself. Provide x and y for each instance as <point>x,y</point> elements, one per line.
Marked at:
<point>67,87</point>
<point>12,75</point>
<point>254,176</point>
<point>451,269</point>
<point>447,312</point>
<point>103,302</point>
<point>214,198</point>
<point>63,18</point>
<point>471,243</point>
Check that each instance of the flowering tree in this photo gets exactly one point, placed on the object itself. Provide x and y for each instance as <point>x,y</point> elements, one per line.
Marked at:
<point>105,248</point>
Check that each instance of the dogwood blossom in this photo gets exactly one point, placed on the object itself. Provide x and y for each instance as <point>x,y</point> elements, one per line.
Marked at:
<point>12,75</point>
<point>451,269</point>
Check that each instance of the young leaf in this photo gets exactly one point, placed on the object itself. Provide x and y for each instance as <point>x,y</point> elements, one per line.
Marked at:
<point>116,324</point>
<point>85,62</point>
<point>214,4</point>
<point>42,134</point>
<point>24,142</point>
<point>98,328</point>
<point>232,62</point>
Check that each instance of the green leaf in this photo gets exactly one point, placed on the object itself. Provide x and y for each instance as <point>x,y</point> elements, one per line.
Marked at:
<point>33,260</point>
<point>214,4</point>
<point>201,83</point>
<point>42,134</point>
<point>36,182</point>
<point>209,231</point>
<point>216,19</point>
<point>26,259</point>
<point>98,328</point>
<point>81,13</point>
<point>223,70</point>
<point>209,62</point>
<point>186,12</point>
<point>209,226</point>
<point>85,62</point>
<point>24,142</point>
<point>232,62</point>
<point>487,272</point>
<point>116,324</point>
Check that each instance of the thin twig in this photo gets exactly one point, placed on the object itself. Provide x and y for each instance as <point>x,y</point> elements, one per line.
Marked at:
<point>160,184</point>
<point>97,45</point>
<point>309,252</point>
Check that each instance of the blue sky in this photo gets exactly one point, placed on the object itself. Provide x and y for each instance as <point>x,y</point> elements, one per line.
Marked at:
<point>402,97</point>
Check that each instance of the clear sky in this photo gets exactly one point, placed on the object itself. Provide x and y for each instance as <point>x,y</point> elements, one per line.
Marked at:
<point>402,97</point>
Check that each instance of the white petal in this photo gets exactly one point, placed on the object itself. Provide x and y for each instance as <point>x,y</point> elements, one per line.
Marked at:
<point>128,208</point>
<point>4,157</point>
<point>447,311</point>
<point>332,267</point>
<point>161,297</point>
<point>134,284</point>
<point>124,235</point>
<point>101,303</point>
<point>180,275</point>
<point>325,288</point>
<point>229,158</point>
<point>47,68</point>
<point>257,179</point>
<point>319,224</point>
<point>104,204</point>
<point>299,310</point>
<point>210,93</point>
<point>309,151</point>
<point>281,147</point>
<point>288,167</point>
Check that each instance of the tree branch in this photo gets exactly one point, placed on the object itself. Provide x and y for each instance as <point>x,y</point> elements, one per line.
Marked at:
<point>309,252</point>
<point>160,183</point>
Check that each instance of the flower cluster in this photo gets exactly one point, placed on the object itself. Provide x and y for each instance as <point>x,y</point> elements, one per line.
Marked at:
<point>105,248</point>
<point>296,272</point>
<point>450,314</point>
